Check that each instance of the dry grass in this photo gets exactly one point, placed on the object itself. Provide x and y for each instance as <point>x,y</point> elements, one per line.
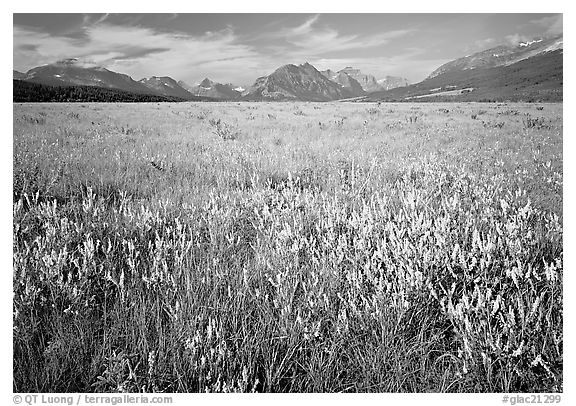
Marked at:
<point>287,247</point>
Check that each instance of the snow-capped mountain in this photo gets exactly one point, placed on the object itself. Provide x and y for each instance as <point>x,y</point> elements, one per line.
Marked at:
<point>529,71</point>
<point>503,55</point>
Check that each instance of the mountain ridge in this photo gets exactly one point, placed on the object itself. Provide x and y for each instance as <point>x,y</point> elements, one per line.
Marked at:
<point>536,78</point>
<point>501,55</point>
<point>212,89</point>
<point>531,69</point>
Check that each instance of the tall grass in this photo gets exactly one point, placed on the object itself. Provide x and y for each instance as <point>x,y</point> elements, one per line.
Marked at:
<point>367,254</point>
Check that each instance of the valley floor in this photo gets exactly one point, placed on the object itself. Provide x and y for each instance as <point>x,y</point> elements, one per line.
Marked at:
<point>288,247</point>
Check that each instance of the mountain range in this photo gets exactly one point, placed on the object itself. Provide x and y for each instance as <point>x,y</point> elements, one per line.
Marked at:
<point>209,88</point>
<point>72,72</point>
<point>531,70</point>
<point>360,83</point>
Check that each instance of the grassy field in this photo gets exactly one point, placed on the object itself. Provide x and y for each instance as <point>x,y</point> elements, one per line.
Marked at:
<point>287,247</point>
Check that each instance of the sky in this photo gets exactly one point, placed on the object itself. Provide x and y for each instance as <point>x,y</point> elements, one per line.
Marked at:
<point>238,48</point>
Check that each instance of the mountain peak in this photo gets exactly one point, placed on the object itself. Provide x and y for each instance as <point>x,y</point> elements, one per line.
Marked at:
<point>392,82</point>
<point>289,67</point>
<point>368,82</point>
<point>291,82</point>
<point>212,89</point>
<point>348,82</point>
<point>206,83</point>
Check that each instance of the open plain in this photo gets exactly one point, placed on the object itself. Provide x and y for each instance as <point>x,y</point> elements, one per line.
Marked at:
<point>288,247</point>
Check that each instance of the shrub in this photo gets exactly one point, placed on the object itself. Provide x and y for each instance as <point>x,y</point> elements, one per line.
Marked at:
<point>534,122</point>
<point>224,130</point>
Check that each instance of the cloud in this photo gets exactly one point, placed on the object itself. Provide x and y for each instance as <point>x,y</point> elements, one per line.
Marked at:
<point>480,45</point>
<point>303,29</point>
<point>553,25</point>
<point>485,43</point>
<point>411,64</point>
<point>28,47</point>
<point>128,47</point>
<point>515,39</point>
<point>87,19</point>
<point>83,63</point>
<point>136,50</point>
<point>308,39</point>
<point>102,19</point>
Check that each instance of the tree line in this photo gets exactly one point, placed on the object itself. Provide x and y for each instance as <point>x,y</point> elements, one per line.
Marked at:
<point>34,92</point>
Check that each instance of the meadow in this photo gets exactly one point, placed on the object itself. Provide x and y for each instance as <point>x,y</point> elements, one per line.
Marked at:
<point>287,247</point>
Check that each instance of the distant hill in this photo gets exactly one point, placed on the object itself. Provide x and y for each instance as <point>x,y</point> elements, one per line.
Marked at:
<point>167,86</point>
<point>24,91</point>
<point>526,72</point>
<point>215,90</point>
<point>290,82</point>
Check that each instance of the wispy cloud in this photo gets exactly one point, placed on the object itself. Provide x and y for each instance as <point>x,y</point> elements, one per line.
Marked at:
<point>515,39</point>
<point>240,48</point>
<point>88,19</point>
<point>553,25</point>
<point>102,19</point>
<point>302,29</point>
<point>411,64</point>
<point>484,43</point>
<point>537,28</point>
<point>143,50</point>
<point>309,39</point>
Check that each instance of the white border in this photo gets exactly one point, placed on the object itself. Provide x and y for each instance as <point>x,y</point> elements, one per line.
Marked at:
<point>294,6</point>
